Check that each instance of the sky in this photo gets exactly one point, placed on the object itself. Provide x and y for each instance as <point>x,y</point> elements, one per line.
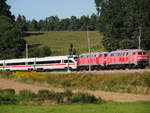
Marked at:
<point>40,9</point>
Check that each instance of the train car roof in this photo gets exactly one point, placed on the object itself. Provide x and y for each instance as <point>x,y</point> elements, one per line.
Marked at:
<point>33,59</point>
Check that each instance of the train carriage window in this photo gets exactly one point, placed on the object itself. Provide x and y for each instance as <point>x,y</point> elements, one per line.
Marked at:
<point>49,62</point>
<point>1,64</point>
<point>15,64</point>
<point>30,63</point>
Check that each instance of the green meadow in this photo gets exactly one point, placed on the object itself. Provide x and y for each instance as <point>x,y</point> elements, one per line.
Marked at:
<point>59,41</point>
<point>137,107</point>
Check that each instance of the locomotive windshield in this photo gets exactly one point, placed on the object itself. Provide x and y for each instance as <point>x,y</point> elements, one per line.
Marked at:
<point>141,53</point>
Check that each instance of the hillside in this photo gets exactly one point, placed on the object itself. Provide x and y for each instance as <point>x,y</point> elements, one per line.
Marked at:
<point>59,41</point>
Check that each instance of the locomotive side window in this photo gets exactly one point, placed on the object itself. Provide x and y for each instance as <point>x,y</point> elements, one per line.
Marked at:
<point>82,56</point>
<point>112,54</point>
<point>124,53</point>
<point>144,53</point>
<point>100,55</point>
<point>127,53</point>
<point>139,53</point>
<point>105,55</point>
<point>134,53</point>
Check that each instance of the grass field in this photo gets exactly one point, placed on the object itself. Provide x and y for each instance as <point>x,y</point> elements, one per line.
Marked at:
<point>59,41</point>
<point>138,107</point>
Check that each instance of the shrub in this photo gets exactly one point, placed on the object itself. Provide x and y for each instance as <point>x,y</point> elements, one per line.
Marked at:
<point>43,94</point>
<point>59,98</point>
<point>8,99</point>
<point>68,93</point>
<point>26,95</point>
<point>7,96</point>
<point>8,92</point>
<point>84,98</point>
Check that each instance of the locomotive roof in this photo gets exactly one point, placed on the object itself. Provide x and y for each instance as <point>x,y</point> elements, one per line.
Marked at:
<point>95,53</point>
<point>127,50</point>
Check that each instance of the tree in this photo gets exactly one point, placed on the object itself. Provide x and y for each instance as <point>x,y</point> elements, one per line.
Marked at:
<point>45,51</point>
<point>119,21</point>
<point>10,36</point>
<point>33,25</point>
<point>11,44</point>
<point>5,10</point>
<point>72,50</point>
<point>21,23</point>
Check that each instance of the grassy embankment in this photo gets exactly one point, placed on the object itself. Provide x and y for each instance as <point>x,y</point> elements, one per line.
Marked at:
<point>116,82</point>
<point>138,107</point>
<point>59,41</point>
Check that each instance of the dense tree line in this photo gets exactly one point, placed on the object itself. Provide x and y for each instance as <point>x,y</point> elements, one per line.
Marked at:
<point>12,44</point>
<point>120,21</point>
<point>10,35</point>
<point>53,23</point>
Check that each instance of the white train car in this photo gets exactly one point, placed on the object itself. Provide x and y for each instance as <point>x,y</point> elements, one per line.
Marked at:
<point>56,62</point>
<point>39,64</point>
<point>1,65</point>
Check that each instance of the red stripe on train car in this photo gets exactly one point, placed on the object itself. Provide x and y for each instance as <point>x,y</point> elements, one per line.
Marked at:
<point>36,65</point>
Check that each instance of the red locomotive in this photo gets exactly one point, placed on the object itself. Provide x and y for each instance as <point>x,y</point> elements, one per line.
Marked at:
<point>119,59</point>
<point>97,60</point>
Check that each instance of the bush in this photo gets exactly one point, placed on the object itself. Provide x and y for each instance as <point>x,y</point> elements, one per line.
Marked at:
<point>7,96</point>
<point>59,98</point>
<point>84,98</point>
<point>43,94</point>
<point>8,92</point>
<point>68,93</point>
<point>8,99</point>
<point>51,95</point>
<point>26,95</point>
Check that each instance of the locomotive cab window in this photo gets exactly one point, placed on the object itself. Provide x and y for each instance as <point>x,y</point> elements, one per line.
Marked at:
<point>140,53</point>
<point>105,55</point>
<point>70,61</point>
